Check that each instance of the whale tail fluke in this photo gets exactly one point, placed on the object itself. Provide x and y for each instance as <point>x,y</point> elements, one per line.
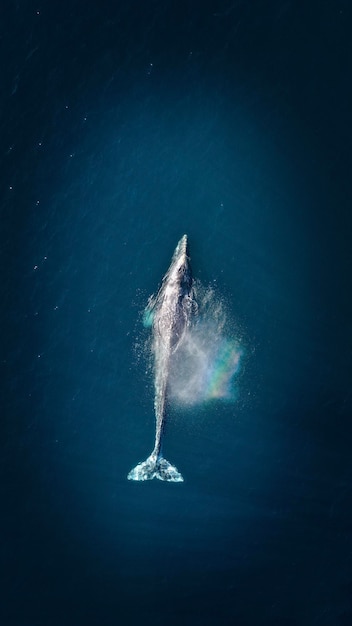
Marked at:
<point>155,467</point>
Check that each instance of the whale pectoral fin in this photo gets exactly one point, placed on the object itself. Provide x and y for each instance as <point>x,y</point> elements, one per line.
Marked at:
<point>148,318</point>
<point>149,312</point>
<point>155,467</point>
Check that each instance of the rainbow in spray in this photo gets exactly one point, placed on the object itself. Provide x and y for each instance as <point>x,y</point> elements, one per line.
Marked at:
<point>222,367</point>
<point>205,366</point>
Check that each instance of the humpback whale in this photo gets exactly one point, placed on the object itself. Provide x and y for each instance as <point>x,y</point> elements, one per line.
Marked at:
<point>169,313</point>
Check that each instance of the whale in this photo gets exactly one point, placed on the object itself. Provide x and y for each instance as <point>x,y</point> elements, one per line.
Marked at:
<point>169,314</point>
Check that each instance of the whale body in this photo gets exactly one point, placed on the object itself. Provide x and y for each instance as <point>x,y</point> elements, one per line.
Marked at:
<point>169,313</point>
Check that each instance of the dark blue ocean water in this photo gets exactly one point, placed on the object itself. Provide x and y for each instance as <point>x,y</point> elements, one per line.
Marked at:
<point>123,127</point>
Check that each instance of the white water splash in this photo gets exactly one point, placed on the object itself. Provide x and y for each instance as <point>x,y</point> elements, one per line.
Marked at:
<point>205,365</point>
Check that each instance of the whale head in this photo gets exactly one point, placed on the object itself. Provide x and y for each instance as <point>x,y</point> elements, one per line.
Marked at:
<point>179,273</point>
<point>182,247</point>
